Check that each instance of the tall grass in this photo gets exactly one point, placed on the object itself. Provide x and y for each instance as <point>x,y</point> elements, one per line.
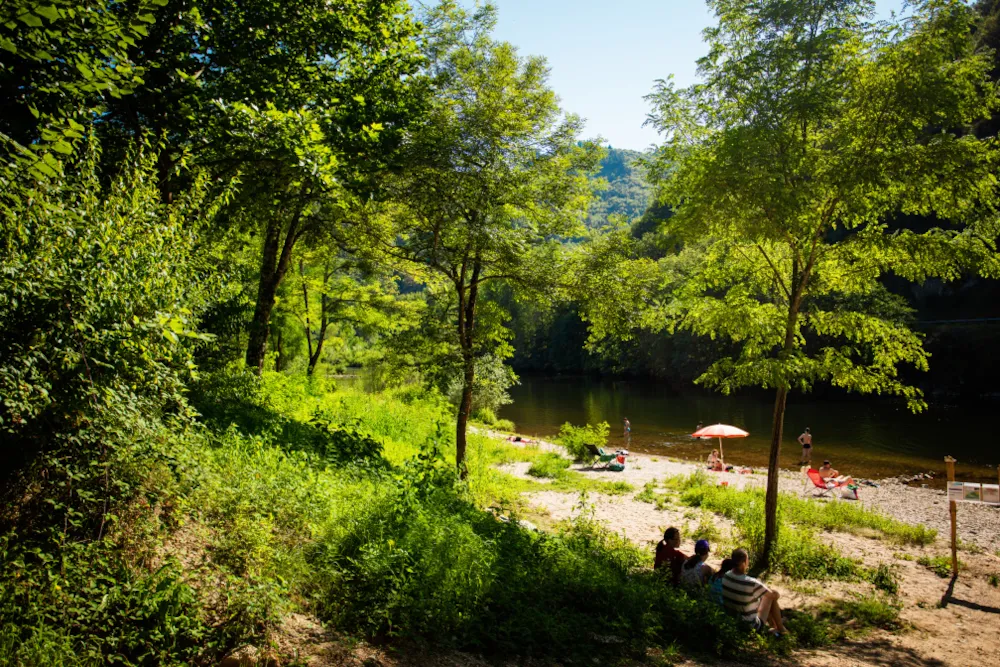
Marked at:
<point>796,553</point>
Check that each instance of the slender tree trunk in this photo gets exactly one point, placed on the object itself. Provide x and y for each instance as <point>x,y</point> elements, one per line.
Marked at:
<point>324,322</point>
<point>279,359</point>
<point>464,409</point>
<point>771,500</point>
<point>777,427</point>
<point>467,323</point>
<point>275,257</point>
<point>308,325</point>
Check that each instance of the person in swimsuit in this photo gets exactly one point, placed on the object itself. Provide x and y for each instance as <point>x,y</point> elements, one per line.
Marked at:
<point>806,440</point>
<point>627,434</point>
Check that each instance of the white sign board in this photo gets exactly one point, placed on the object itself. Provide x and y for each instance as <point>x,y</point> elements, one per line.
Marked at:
<point>974,492</point>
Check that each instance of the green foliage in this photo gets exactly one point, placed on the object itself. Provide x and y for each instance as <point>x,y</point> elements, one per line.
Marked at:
<point>88,607</point>
<point>548,465</point>
<point>576,438</point>
<point>98,313</point>
<point>797,553</point>
<point>885,578</point>
<point>63,57</point>
<point>625,193</point>
<point>505,425</point>
<point>993,579</point>
<point>492,176</point>
<point>485,415</point>
<point>939,565</point>
<point>648,493</point>
<point>866,611</point>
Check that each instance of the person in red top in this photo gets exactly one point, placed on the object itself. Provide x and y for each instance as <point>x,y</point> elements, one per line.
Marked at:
<point>667,554</point>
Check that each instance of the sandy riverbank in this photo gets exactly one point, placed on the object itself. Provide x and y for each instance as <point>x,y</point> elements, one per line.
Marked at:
<point>977,524</point>
<point>944,622</point>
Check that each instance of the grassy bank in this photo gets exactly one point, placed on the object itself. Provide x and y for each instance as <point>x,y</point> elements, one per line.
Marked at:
<point>344,505</point>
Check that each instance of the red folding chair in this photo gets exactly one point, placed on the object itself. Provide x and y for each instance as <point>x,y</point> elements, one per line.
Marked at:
<point>822,487</point>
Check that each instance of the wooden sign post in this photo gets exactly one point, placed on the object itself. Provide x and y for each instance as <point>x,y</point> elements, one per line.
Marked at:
<point>953,510</point>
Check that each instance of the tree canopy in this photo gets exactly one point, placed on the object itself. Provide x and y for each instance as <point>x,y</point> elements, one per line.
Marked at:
<point>812,126</point>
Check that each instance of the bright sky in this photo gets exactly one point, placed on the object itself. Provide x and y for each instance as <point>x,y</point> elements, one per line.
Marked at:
<point>605,55</point>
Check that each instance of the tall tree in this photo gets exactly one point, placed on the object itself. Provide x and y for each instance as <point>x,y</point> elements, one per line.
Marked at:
<point>492,175</point>
<point>813,126</point>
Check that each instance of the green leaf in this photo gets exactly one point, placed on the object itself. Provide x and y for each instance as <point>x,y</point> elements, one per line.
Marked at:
<point>30,20</point>
<point>62,147</point>
<point>84,70</point>
<point>50,12</point>
<point>7,45</point>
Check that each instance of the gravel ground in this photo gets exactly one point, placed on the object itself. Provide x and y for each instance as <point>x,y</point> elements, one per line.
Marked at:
<point>977,523</point>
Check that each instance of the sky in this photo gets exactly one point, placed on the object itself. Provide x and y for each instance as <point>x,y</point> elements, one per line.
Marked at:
<point>605,55</point>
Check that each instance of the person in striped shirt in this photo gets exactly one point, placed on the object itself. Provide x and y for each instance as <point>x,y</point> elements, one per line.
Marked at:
<point>749,598</point>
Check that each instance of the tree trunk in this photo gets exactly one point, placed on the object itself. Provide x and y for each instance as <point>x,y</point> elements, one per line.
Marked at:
<point>466,334</point>
<point>324,322</point>
<point>275,256</point>
<point>771,500</point>
<point>777,426</point>
<point>464,409</point>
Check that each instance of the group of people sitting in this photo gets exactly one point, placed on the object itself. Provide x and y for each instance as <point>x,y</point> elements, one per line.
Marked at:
<point>731,587</point>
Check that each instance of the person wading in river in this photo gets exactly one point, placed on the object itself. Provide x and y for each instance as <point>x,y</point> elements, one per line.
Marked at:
<point>627,432</point>
<point>806,440</point>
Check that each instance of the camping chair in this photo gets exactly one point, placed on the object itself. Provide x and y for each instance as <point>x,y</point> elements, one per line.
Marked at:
<point>599,455</point>
<point>822,487</point>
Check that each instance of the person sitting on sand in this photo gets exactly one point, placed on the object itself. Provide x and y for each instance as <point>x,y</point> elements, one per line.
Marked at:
<point>749,598</point>
<point>696,573</point>
<point>668,557</point>
<point>714,461</point>
<point>715,586</point>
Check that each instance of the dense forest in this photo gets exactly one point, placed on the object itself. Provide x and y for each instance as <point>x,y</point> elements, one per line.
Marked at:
<point>622,191</point>
<point>210,208</point>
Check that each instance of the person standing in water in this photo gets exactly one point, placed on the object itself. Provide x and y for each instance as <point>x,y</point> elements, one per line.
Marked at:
<point>806,440</point>
<point>627,432</point>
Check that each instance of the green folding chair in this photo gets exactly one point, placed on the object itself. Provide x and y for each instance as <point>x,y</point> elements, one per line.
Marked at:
<point>600,456</point>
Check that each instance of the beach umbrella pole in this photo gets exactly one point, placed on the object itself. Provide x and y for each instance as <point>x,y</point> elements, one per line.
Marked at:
<point>721,455</point>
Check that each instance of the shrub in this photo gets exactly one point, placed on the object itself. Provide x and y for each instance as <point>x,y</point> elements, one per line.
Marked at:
<point>485,415</point>
<point>505,425</point>
<point>549,465</point>
<point>808,630</point>
<point>993,579</point>
<point>648,493</point>
<point>939,565</point>
<point>865,611</point>
<point>885,578</point>
<point>576,438</point>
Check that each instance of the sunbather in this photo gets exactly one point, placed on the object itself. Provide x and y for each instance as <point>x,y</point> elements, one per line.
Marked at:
<point>826,471</point>
<point>750,598</point>
<point>696,573</point>
<point>714,461</point>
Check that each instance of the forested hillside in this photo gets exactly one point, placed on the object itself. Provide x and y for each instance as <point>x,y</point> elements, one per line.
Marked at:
<point>627,193</point>
<point>210,208</point>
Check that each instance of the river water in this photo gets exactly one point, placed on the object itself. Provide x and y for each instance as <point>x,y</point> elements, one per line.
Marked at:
<point>865,438</point>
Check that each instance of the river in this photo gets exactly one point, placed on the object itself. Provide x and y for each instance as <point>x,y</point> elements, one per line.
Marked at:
<point>866,438</point>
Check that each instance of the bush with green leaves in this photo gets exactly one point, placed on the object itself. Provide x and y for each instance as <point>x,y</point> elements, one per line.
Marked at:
<point>576,438</point>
